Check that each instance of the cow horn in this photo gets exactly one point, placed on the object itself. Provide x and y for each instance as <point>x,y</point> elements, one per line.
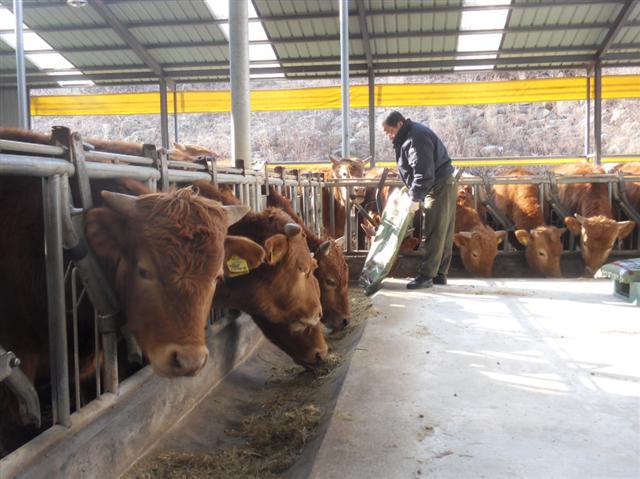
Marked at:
<point>292,229</point>
<point>581,219</point>
<point>323,249</point>
<point>123,204</point>
<point>340,242</point>
<point>235,213</point>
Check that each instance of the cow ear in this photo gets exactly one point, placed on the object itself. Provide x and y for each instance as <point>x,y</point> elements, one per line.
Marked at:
<point>123,204</point>
<point>339,242</point>
<point>235,213</point>
<point>460,239</point>
<point>133,187</point>
<point>243,249</point>
<point>323,249</point>
<point>501,235</point>
<point>104,229</point>
<point>334,161</point>
<point>573,224</point>
<point>179,146</point>
<point>523,237</point>
<point>275,248</point>
<point>625,228</point>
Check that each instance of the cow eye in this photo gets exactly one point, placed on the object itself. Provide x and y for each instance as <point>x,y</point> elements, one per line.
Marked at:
<point>541,253</point>
<point>144,273</point>
<point>330,282</point>
<point>475,255</point>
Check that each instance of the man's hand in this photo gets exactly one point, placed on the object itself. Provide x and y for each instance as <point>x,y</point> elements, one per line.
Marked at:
<point>415,206</point>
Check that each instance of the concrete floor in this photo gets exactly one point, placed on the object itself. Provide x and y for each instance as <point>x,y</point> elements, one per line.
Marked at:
<point>517,379</point>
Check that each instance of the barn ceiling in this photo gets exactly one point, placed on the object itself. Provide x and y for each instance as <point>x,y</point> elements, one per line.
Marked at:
<point>139,41</point>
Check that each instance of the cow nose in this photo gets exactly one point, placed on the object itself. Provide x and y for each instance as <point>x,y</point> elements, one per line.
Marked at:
<point>188,360</point>
<point>345,322</point>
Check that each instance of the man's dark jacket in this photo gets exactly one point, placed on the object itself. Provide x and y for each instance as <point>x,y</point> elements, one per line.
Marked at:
<point>422,158</point>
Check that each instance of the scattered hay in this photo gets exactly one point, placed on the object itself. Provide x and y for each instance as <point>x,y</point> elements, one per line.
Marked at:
<point>276,425</point>
<point>272,441</point>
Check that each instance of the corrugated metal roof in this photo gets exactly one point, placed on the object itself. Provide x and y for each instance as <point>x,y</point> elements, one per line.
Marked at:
<point>406,37</point>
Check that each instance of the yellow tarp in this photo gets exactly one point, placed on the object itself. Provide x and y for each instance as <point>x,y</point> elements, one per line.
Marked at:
<point>397,95</point>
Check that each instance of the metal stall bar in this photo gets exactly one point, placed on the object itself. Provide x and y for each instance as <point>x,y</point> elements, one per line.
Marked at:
<point>23,390</point>
<point>56,300</point>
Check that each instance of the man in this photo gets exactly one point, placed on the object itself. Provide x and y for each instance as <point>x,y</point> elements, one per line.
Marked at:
<point>427,172</point>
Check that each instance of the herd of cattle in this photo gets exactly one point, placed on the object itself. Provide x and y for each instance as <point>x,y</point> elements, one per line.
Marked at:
<point>170,256</point>
<point>588,203</point>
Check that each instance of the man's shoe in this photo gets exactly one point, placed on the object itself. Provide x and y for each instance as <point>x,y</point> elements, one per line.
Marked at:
<point>420,281</point>
<point>440,279</point>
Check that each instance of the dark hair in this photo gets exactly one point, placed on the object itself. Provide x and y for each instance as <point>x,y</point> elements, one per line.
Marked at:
<point>394,118</point>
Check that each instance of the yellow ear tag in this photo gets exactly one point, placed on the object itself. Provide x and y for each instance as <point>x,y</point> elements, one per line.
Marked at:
<point>237,266</point>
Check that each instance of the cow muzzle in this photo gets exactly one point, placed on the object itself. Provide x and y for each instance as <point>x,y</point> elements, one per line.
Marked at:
<point>179,360</point>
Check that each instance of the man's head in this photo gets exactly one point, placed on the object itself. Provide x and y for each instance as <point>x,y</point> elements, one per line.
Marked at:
<point>392,124</point>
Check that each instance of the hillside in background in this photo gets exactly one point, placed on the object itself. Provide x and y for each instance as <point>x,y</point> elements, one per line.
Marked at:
<point>538,129</point>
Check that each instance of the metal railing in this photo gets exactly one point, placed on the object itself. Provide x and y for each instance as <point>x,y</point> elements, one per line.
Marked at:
<point>545,182</point>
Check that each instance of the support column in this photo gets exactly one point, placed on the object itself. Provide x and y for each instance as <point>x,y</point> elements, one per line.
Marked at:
<point>164,115</point>
<point>344,74</point>
<point>587,114</point>
<point>239,73</point>
<point>597,113</point>
<point>175,112</point>
<point>21,76</point>
<point>372,118</point>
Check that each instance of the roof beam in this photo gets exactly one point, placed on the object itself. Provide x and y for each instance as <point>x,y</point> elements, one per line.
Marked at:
<point>364,31</point>
<point>160,46</point>
<point>356,66</point>
<point>131,41</point>
<point>191,23</point>
<point>616,27</point>
<point>335,59</point>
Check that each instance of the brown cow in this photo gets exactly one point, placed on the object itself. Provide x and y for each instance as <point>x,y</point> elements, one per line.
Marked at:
<point>163,252</point>
<point>332,272</point>
<point>477,243</point>
<point>521,203</point>
<point>593,219</point>
<point>282,295</point>
<point>344,168</point>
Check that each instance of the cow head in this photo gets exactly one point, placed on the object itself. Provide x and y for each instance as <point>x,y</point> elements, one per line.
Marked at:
<point>598,235</point>
<point>165,250</point>
<point>306,347</point>
<point>543,249</point>
<point>293,294</point>
<point>479,248</point>
<point>348,168</point>
<point>333,277</point>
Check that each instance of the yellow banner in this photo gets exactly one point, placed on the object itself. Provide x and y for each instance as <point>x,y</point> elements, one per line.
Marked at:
<point>396,95</point>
